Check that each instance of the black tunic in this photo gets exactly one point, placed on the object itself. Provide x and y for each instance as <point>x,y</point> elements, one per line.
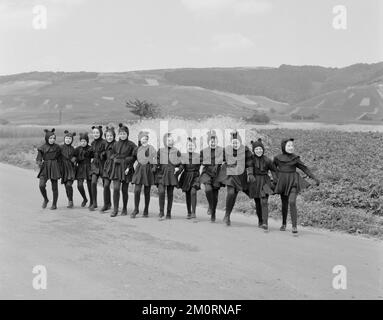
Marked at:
<point>190,171</point>
<point>123,158</point>
<point>98,149</point>
<point>83,156</point>
<point>211,160</point>
<point>108,160</point>
<point>48,157</point>
<point>146,158</point>
<point>168,159</point>
<point>66,163</point>
<point>288,178</point>
<point>260,168</point>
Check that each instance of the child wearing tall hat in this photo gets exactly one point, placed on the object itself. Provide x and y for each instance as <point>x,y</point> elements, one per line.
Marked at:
<point>122,169</point>
<point>48,157</point>
<point>110,138</point>
<point>67,165</point>
<point>82,159</point>
<point>143,175</point>
<point>290,183</point>
<point>260,186</point>
<point>168,162</point>
<point>211,159</point>
<point>233,173</point>
<point>189,176</point>
<point>98,146</point>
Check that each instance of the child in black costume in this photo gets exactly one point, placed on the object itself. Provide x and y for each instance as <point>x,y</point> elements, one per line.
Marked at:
<point>67,165</point>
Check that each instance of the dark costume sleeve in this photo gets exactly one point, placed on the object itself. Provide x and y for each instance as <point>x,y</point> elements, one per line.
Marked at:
<point>39,157</point>
<point>249,162</point>
<point>300,165</point>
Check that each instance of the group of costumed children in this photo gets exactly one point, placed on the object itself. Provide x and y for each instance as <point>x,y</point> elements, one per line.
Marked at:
<point>123,162</point>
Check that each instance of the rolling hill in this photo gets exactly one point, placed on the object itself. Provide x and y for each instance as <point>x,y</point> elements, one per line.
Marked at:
<point>351,94</point>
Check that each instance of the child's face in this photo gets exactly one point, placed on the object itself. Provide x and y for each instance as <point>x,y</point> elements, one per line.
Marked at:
<point>170,141</point>
<point>52,139</point>
<point>122,135</point>
<point>289,147</point>
<point>144,140</point>
<point>96,133</point>
<point>83,143</point>
<point>109,137</point>
<point>190,146</point>
<point>258,151</point>
<point>236,144</point>
<point>68,140</point>
<point>213,143</point>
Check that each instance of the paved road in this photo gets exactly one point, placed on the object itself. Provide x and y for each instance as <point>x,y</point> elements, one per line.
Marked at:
<point>90,255</point>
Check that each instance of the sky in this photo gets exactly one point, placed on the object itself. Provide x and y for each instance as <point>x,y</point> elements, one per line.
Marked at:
<point>124,35</point>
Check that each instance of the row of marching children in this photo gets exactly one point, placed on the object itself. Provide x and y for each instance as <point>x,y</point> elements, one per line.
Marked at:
<point>118,162</point>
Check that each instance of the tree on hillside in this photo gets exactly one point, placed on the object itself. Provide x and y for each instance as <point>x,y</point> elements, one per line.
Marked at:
<point>143,108</point>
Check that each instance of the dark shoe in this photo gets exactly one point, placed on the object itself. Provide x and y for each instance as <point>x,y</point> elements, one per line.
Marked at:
<point>260,224</point>
<point>134,213</point>
<point>295,230</point>
<point>45,203</point>
<point>188,216</point>
<point>265,227</point>
<point>145,215</point>
<point>92,208</point>
<point>83,203</point>
<point>124,212</point>
<point>168,216</point>
<point>208,212</point>
<point>161,217</point>
<point>283,227</point>
<point>193,216</point>
<point>114,213</point>
<point>212,218</point>
<point>53,207</point>
<point>70,205</point>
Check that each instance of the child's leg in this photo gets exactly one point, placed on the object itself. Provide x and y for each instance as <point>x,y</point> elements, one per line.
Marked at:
<point>107,201</point>
<point>285,207</point>
<point>116,196</point>
<point>193,198</point>
<point>188,203</point>
<point>147,200</point>
<point>258,209</point>
<point>69,192</point>
<point>137,196</point>
<point>265,210</point>
<point>293,206</point>
<point>43,190</point>
<point>55,191</point>
<point>169,190</point>
<point>125,196</point>
<point>80,187</point>
<point>161,198</point>
<point>94,191</point>
<point>231,196</point>
<point>209,196</point>
<point>89,186</point>
<point>215,200</point>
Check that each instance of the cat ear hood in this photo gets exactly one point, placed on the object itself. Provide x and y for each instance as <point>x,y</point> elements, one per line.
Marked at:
<point>99,128</point>
<point>283,144</point>
<point>84,136</point>
<point>122,127</point>
<point>111,130</point>
<point>49,133</point>
<point>258,143</point>
<point>69,134</point>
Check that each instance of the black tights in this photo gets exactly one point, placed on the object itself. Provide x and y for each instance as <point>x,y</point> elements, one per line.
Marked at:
<point>212,198</point>
<point>231,196</point>
<point>137,196</point>
<point>161,197</point>
<point>262,209</point>
<point>191,200</point>
<point>69,189</point>
<point>43,189</point>
<point>81,189</point>
<point>107,195</point>
<point>94,189</point>
<point>290,200</point>
<point>124,186</point>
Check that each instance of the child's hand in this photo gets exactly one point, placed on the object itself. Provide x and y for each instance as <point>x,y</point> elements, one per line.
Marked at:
<point>127,171</point>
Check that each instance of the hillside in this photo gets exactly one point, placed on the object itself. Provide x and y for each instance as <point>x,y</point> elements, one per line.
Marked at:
<point>351,94</point>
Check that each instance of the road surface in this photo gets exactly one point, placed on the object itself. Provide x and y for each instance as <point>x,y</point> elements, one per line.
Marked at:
<point>90,255</point>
